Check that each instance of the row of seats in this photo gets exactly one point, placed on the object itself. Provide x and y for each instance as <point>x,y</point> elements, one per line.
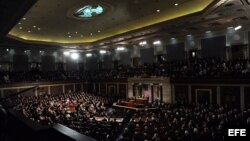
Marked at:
<point>191,68</point>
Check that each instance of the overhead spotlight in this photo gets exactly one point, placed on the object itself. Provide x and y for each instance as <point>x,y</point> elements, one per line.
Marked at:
<point>158,10</point>
<point>238,27</point>
<point>7,49</point>
<point>156,42</point>
<point>29,31</point>
<point>189,35</point>
<point>24,18</point>
<point>34,26</point>
<point>20,27</point>
<point>74,56</point>
<point>88,55</point>
<point>38,28</point>
<point>120,48</point>
<point>172,38</point>
<point>99,31</point>
<point>66,53</point>
<point>143,43</point>
<point>103,51</point>
<point>19,23</point>
<point>176,4</point>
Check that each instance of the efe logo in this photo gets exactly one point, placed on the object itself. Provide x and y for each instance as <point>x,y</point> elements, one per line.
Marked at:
<point>237,132</point>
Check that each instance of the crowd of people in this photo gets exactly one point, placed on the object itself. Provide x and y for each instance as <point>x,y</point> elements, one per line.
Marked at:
<point>191,68</point>
<point>87,114</point>
<point>95,116</point>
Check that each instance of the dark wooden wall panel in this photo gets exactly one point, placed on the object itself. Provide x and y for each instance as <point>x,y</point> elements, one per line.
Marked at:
<point>68,88</point>
<point>112,90</point>
<point>103,89</point>
<point>247,97</point>
<point>27,93</point>
<point>230,95</point>
<point>181,93</point>
<point>122,91</point>
<point>8,92</point>
<point>42,90</point>
<point>78,87</point>
<point>213,88</point>
<point>56,90</point>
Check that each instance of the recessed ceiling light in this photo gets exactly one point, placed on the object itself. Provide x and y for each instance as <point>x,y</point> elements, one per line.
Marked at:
<point>76,32</point>
<point>120,48</point>
<point>69,36</point>
<point>34,26</point>
<point>157,42</point>
<point>68,32</point>
<point>176,4</point>
<point>91,34</point>
<point>99,31</point>
<point>238,27</point>
<point>38,28</point>
<point>158,10</point>
<point>24,18</point>
<point>29,31</point>
<point>19,23</point>
<point>208,31</point>
<point>20,27</point>
<point>103,51</point>
<point>81,35</point>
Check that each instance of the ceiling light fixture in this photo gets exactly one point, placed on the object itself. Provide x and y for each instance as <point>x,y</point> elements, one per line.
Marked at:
<point>29,31</point>
<point>176,4</point>
<point>24,19</point>
<point>34,26</point>
<point>19,23</point>
<point>103,51</point>
<point>156,42</point>
<point>142,43</point>
<point>88,55</point>
<point>66,53</point>
<point>99,31</point>
<point>74,56</point>
<point>20,27</point>
<point>38,28</point>
<point>158,10</point>
<point>120,48</point>
<point>238,27</point>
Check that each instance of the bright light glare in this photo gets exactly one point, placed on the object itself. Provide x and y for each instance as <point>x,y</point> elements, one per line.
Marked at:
<point>74,56</point>
<point>66,53</point>
<point>237,27</point>
<point>120,48</point>
<point>103,51</point>
<point>157,42</point>
<point>143,43</point>
<point>88,54</point>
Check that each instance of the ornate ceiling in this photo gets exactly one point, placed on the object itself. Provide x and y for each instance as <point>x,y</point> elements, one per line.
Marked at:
<point>53,22</point>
